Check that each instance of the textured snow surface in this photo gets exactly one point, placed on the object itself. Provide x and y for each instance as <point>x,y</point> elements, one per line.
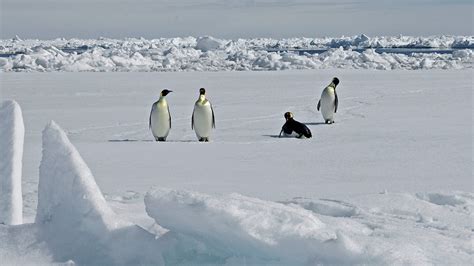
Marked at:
<point>389,183</point>
<point>250,228</point>
<point>403,228</point>
<point>211,54</point>
<point>12,132</point>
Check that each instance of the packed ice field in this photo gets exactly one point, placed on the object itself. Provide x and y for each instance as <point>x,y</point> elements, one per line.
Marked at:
<point>212,54</point>
<point>390,182</point>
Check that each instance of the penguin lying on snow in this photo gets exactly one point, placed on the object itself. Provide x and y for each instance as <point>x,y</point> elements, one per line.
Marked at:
<point>202,120</point>
<point>160,118</point>
<point>329,102</point>
<point>294,128</point>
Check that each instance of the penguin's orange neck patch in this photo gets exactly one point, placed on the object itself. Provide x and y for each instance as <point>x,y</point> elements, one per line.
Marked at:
<point>202,99</point>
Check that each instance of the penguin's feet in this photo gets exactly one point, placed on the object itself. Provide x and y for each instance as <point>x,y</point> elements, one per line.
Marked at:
<point>206,139</point>
<point>329,122</point>
<point>160,139</point>
<point>202,139</point>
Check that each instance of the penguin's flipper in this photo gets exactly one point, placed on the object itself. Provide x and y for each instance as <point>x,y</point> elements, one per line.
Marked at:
<point>151,112</point>
<point>169,114</point>
<point>336,102</point>
<point>319,105</point>
<point>280,133</point>
<point>213,118</point>
<point>192,120</point>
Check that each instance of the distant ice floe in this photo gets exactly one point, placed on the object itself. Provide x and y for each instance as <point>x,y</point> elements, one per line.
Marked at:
<point>211,54</point>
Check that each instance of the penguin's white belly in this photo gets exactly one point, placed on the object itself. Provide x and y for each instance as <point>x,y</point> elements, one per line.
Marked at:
<point>160,123</point>
<point>292,135</point>
<point>202,120</point>
<point>328,104</point>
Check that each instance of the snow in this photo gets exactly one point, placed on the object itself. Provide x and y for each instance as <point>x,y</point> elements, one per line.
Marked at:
<point>401,227</point>
<point>12,132</point>
<point>250,228</point>
<point>389,183</point>
<point>211,54</point>
<point>408,136</point>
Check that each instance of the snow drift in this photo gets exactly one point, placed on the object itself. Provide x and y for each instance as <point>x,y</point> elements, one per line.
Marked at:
<point>12,133</point>
<point>211,54</point>
<point>250,229</point>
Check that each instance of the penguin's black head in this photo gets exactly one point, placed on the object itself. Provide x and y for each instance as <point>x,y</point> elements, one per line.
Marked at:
<point>202,91</point>
<point>165,92</point>
<point>288,115</point>
<point>335,81</point>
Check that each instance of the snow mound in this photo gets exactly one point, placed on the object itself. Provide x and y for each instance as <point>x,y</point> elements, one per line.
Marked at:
<point>73,217</point>
<point>12,133</point>
<point>250,229</point>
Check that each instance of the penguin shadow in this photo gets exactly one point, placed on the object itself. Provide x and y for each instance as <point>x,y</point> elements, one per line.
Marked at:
<point>183,141</point>
<point>130,140</point>
<point>271,136</point>
<point>146,140</point>
<point>306,123</point>
<point>278,136</point>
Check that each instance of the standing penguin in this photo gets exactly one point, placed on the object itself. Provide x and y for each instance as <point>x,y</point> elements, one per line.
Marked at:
<point>293,128</point>
<point>328,102</point>
<point>202,120</point>
<point>160,118</point>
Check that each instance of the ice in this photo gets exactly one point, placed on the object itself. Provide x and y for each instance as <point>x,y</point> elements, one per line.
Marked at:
<point>19,245</point>
<point>327,207</point>
<point>12,133</point>
<point>238,226</point>
<point>73,218</point>
<point>66,185</point>
<point>208,43</point>
<point>211,54</point>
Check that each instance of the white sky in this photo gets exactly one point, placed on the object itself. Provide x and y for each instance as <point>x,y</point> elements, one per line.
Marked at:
<point>46,19</point>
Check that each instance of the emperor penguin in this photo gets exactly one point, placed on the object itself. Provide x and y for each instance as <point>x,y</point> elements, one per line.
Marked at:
<point>293,128</point>
<point>328,102</point>
<point>202,120</point>
<point>160,117</point>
